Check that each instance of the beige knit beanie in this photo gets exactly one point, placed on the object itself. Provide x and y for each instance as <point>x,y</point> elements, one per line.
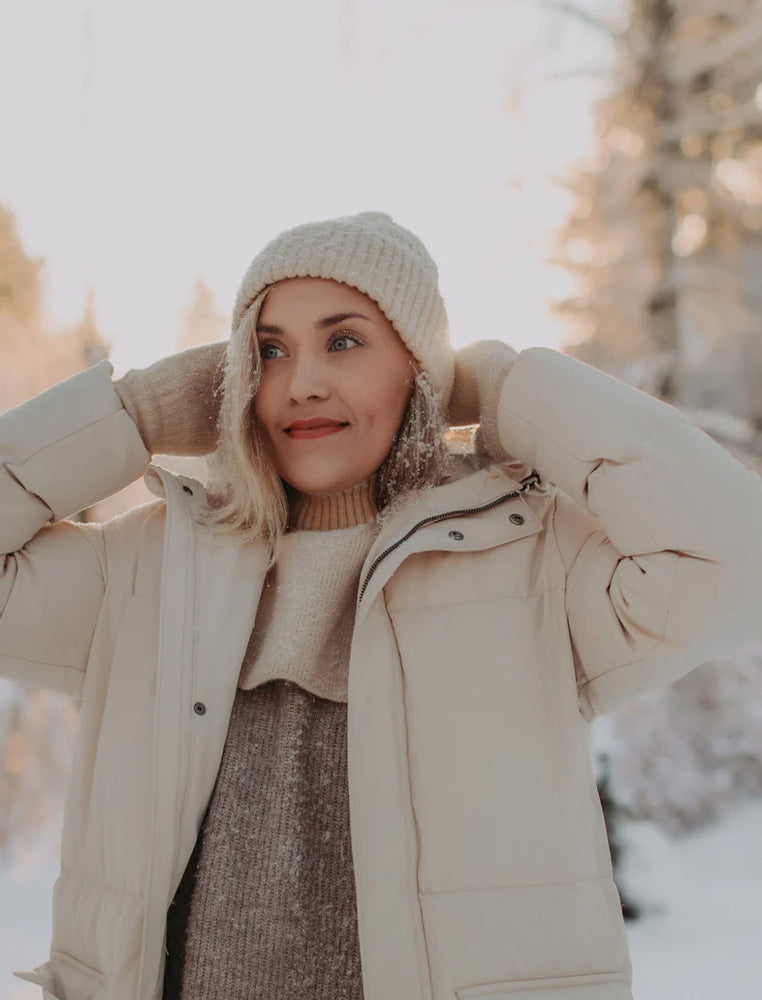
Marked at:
<point>374,254</point>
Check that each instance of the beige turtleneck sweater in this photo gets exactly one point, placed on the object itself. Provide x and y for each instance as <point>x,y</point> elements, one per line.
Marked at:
<point>305,617</point>
<point>266,908</point>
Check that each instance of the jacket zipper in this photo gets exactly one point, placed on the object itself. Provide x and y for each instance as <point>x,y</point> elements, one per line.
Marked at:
<point>532,480</point>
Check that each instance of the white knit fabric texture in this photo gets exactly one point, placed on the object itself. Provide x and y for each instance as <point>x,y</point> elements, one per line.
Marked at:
<point>304,622</point>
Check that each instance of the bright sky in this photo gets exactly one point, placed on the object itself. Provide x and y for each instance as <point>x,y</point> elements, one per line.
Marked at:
<point>151,142</point>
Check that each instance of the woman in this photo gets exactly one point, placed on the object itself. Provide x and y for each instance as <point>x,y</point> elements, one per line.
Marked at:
<point>336,704</point>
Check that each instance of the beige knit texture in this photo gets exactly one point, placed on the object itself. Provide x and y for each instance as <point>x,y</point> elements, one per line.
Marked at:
<point>373,253</point>
<point>343,509</point>
<point>175,402</point>
<point>305,617</point>
<point>480,371</point>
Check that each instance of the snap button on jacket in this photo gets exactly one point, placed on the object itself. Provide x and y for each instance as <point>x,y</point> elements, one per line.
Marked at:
<point>496,617</point>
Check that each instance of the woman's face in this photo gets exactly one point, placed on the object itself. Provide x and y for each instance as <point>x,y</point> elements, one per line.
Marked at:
<point>315,364</point>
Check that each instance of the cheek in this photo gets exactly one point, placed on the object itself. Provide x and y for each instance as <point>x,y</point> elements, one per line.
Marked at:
<point>262,426</point>
<point>387,405</point>
<point>262,407</point>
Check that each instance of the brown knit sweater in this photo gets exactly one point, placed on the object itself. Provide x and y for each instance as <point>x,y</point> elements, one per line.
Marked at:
<point>266,908</point>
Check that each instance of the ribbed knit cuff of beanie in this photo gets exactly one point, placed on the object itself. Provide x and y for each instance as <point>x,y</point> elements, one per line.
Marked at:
<point>480,371</point>
<point>176,401</point>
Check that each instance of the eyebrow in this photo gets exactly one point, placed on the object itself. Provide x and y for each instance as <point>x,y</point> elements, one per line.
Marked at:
<point>320,324</point>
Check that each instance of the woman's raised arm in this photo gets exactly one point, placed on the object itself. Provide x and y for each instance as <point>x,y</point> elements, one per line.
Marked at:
<point>658,526</point>
<point>175,402</point>
<point>60,452</point>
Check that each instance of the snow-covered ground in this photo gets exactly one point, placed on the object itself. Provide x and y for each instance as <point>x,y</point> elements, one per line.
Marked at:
<point>701,936</point>
<point>702,933</point>
<point>25,916</point>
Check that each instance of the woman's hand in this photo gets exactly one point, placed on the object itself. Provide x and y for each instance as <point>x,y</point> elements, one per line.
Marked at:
<point>480,370</point>
<point>176,401</point>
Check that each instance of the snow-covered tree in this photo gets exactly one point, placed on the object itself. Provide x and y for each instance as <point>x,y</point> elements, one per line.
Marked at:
<point>665,239</point>
<point>682,755</point>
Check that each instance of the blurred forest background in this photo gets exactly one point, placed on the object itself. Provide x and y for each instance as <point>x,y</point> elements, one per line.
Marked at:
<point>663,246</point>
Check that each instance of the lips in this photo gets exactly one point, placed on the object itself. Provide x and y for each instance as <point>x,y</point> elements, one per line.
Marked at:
<point>301,425</point>
<point>315,428</point>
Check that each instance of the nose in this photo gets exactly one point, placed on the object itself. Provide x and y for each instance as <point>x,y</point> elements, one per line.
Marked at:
<point>308,381</point>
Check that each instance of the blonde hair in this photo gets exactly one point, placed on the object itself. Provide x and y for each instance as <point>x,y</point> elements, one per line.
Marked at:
<point>245,495</point>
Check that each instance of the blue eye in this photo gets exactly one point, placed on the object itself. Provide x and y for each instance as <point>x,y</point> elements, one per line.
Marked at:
<point>346,335</point>
<point>263,347</point>
<point>333,339</point>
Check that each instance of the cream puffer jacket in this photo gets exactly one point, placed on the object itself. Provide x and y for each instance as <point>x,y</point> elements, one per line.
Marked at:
<point>495,619</point>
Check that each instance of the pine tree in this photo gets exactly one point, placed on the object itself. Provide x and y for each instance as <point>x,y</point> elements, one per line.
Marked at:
<point>665,241</point>
<point>20,278</point>
<point>666,236</point>
<point>34,355</point>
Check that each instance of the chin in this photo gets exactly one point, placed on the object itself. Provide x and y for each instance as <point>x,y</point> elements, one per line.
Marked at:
<point>322,483</point>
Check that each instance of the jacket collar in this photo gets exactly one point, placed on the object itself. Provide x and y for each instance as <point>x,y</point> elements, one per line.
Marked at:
<point>472,510</point>
<point>473,483</point>
<point>161,482</point>
<point>438,518</point>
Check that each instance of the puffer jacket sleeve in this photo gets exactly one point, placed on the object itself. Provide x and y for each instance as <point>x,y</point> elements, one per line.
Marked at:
<point>658,526</point>
<point>60,452</point>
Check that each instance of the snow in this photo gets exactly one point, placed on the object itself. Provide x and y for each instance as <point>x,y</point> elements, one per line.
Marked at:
<point>702,933</point>
<point>700,937</point>
<point>683,754</point>
<point>25,914</point>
